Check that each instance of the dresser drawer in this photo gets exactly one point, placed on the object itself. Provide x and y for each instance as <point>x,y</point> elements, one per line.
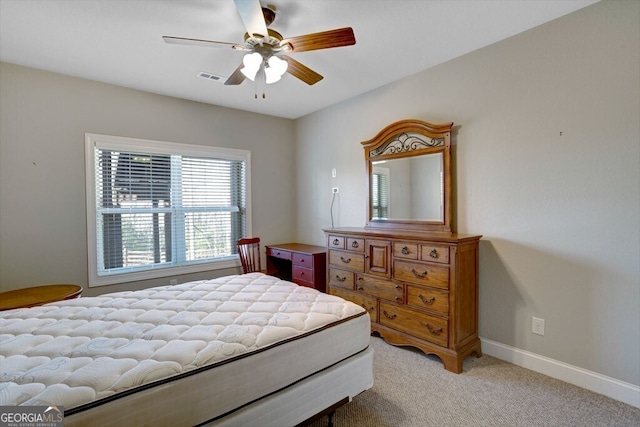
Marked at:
<point>355,244</point>
<point>279,253</point>
<point>435,254</point>
<point>368,303</point>
<point>341,279</point>
<point>380,288</point>
<point>336,242</point>
<point>303,260</point>
<point>421,273</point>
<point>405,250</point>
<point>347,260</point>
<point>432,299</point>
<point>429,328</point>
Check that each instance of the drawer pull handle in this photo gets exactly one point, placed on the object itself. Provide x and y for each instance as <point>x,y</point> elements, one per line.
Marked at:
<point>365,307</point>
<point>341,279</point>
<point>433,331</point>
<point>355,244</point>
<point>419,275</point>
<point>360,288</point>
<point>398,287</point>
<point>405,250</point>
<point>335,242</point>
<point>388,316</point>
<point>433,254</point>
<point>427,301</point>
<point>346,261</point>
<point>398,299</point>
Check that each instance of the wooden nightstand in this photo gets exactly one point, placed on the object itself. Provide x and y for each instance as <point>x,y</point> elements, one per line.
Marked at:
<point>38,295</point>
<point>305,265</point>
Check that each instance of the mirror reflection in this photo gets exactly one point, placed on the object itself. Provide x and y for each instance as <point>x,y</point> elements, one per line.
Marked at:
<point>409,188</point>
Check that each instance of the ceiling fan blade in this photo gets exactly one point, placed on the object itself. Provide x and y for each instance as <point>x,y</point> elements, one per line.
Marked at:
<point>236,77</point>
<point>322,40</point>
<point>199,42</point>
<point>250,12</point>
<point>300,71</point>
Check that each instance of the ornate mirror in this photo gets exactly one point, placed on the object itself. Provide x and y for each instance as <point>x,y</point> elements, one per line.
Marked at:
<point>409,176</point>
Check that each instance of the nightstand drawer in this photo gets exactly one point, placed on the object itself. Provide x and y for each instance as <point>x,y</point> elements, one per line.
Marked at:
<point>278,253</point>
<point>303,260</point>
<point>302,273</point>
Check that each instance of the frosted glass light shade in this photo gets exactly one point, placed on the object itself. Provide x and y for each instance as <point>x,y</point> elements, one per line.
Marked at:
<point>252,62</point>
<point>277,67</point>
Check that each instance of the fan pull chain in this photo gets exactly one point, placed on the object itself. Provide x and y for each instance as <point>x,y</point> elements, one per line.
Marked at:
<point>258,86</point>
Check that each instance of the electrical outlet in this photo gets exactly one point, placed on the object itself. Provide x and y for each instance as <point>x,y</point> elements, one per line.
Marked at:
<point>334,190</point>
<point>173,281</point>
<point>537,326</point>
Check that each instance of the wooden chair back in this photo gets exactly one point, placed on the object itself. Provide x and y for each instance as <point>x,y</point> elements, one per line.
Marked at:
<point>249,251</point>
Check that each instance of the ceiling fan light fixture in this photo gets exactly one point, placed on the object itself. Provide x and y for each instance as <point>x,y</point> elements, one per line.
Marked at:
<point>252,62</point>
<point>262,44</point>
<point>275,70</point>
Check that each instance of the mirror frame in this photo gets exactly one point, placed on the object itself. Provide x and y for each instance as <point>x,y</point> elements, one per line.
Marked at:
<point>410,138</point>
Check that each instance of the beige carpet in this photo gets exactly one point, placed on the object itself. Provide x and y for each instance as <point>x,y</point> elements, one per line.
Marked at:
<point>412,389</point>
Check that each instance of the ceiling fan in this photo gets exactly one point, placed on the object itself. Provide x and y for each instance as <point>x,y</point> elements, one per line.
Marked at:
<point>266,48</point>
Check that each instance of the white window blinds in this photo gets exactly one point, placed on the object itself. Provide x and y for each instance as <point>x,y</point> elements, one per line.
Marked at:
<point>162,205</point>
<point>380,196</point>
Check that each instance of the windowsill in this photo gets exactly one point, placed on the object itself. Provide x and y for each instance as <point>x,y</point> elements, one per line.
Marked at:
<point>112,279</point>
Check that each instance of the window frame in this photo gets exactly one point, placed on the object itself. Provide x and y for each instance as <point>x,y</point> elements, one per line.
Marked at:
<point>126,144</point>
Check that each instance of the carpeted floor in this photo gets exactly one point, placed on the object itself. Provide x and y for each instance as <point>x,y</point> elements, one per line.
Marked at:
<point>412,389</point>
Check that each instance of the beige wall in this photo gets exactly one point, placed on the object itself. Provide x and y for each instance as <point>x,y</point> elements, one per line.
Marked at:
<point>43,119</point>
<point>548,170</point>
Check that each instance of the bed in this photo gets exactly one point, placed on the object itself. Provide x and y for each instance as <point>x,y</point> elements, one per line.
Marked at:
<point>245,350</point>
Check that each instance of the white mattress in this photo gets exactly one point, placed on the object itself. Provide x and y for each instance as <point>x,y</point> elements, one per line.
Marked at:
<point>121,351</point>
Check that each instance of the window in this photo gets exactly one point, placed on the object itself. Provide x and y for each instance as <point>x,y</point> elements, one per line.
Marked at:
<point>380,193</point>
<point>160,209</point>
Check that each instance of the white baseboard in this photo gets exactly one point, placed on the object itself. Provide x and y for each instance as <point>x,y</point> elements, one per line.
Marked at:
<point>598,383</point>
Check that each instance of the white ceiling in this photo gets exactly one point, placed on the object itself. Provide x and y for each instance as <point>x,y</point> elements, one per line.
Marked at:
<point>119,42</point>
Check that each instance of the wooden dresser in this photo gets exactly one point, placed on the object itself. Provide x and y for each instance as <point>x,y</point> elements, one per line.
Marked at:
<point>420,288</point>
